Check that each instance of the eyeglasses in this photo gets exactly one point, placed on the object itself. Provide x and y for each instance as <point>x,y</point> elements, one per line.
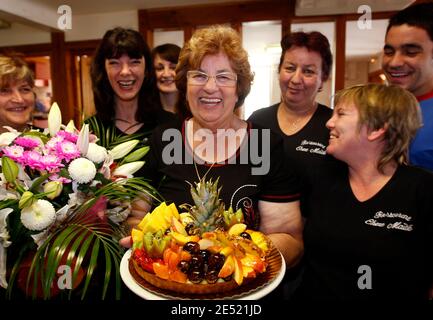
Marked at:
<point>223,79</point>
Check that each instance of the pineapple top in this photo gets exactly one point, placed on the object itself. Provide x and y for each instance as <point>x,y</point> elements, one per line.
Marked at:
<point>208,210</point>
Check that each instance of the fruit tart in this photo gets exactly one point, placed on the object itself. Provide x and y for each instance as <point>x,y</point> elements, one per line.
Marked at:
<point>206,249</point>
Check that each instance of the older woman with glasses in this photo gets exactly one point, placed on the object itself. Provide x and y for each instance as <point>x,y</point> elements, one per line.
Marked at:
<point>214,77</point>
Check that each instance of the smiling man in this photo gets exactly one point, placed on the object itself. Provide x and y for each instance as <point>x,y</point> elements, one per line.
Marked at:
<point>408,63</point>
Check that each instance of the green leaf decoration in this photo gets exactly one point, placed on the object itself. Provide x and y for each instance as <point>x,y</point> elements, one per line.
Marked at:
<point>84,243</point>
<point>37,134</point>
<point>38,182</point>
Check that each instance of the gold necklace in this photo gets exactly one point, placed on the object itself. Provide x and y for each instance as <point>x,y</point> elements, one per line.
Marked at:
<point>293,125</point>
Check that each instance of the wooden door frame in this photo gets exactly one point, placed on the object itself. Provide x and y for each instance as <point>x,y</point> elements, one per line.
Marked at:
<point>63,70</point>
<point>186,18</point>
<point>76,49</point>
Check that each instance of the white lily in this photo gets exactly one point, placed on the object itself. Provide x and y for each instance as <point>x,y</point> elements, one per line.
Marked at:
<point>128,169</point>
<point>6,138</point>
<point>105,168</point>
<point>4,243</point>
<point>83,140</point>
<point>123,149</point>
<point>24,177</point>
<point>70,127</point>
<point>54,119</point>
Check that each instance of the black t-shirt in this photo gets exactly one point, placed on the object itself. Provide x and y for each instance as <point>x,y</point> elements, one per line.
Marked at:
<point>306,149</point>
<point>107,131</point>
<point>241,187</point>
<point>307,146</point>
<point>383,245</point>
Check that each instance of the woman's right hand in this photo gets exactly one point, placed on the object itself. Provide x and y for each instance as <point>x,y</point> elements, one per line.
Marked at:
<point>126,242</point>
<point>139,208</point>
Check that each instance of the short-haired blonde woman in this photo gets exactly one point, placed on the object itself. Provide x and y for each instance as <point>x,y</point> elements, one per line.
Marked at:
<point>369,232</point>
<point>17,99</point>
<point>213,76</point>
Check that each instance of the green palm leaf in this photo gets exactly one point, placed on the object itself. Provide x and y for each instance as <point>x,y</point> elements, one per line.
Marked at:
<point>107,271</point>
<point>73,253</point>
<point>83,238</point>
<point>92,265</point>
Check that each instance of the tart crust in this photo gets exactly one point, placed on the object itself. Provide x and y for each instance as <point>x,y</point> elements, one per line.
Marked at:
<point>189,288</point>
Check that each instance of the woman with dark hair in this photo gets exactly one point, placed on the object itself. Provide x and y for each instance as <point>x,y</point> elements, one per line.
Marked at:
<point>165,59</point>
<point>122,78</point>
<point>305,64</point>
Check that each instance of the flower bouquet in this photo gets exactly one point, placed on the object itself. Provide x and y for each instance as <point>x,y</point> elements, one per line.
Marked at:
<point>63,201</point>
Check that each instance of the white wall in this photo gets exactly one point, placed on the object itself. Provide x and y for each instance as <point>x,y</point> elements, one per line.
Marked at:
<point>262,41</point>
<point>162,37</point>
<point>93,26</point>
<point>84,27</point>
<point>20,34</point>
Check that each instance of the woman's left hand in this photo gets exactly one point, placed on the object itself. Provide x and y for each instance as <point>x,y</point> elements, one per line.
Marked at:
<point>282,222</point>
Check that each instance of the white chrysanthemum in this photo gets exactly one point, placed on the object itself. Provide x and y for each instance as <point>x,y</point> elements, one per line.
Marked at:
<point>82,170</point>
<point>96,153</point>
<point>38,216</point>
